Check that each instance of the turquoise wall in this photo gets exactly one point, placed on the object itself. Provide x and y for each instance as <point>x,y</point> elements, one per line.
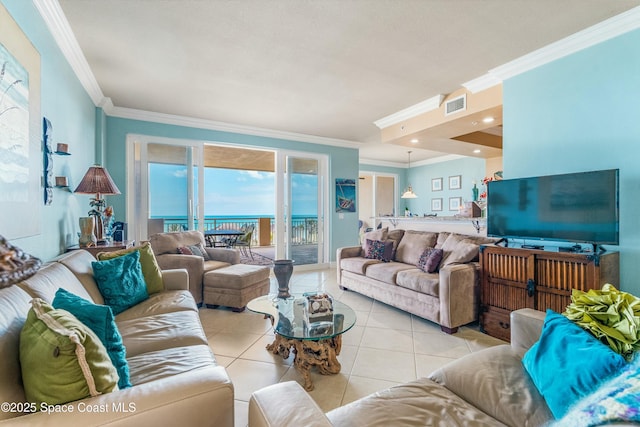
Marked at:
<point>343,163</point>
<point>580,113</point>
<point>66,104</point>
<point>469,168</point>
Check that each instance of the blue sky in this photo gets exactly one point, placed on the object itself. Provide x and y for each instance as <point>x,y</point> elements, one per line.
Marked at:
<point>226,192</point>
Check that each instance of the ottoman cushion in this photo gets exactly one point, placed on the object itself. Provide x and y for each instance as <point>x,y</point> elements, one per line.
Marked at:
<point>236,276</point>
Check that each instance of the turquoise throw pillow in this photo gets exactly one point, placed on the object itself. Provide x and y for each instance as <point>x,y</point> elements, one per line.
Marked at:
<point>568,362</point>
<point>617,400</point>
<point>120,281</point>
<point>98,318</point>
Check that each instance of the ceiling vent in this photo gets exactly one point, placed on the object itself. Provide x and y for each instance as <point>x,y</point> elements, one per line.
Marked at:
<point>455,105</point>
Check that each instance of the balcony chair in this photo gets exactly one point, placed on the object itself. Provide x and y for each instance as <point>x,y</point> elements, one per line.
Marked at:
<point>243,243</point>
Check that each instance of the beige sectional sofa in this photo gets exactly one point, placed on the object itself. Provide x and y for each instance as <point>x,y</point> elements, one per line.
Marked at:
<point>173,371</point>
<point>486,388</point>
<point>448,296</point>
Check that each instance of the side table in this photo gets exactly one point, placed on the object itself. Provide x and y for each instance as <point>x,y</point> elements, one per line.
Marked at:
<point>113,246</point>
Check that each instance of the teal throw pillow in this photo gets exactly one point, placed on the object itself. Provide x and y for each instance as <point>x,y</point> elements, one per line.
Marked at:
<point>617,400</point>
<point>98,318</point>
<point>120,281</point>
<point>568,362</point>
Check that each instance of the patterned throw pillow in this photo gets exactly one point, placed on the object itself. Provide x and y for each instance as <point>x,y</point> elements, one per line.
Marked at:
<point>120,281</point>
<point>617,400</point>
<point>430,260</point>
<point>195,250</point>
<point>377,249</point>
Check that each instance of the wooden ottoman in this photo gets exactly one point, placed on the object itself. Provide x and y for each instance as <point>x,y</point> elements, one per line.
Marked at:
<point>235,286</point>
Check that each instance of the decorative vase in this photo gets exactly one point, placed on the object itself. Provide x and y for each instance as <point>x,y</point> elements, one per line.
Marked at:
<point>474,191</point>
<point>283,269</point>
<point>87,238</point>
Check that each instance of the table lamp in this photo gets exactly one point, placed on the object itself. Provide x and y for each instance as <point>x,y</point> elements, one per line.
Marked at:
<point>97,181</point>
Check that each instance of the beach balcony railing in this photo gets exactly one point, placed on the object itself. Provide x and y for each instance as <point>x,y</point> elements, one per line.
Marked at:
<point>304,230</point>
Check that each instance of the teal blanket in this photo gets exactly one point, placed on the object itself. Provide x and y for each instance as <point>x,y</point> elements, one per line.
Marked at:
<point>609,314</point>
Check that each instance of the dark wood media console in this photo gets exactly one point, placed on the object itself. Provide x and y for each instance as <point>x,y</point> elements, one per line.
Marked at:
<point>514,278</point>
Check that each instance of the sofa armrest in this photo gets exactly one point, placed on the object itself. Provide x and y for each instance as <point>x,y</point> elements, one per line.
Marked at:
<point>526,325</point>
<point>232,256</point>
<point>202,397</point>
<point>267,408</point>
<point>175,279</point>
<point>346,252</point>
<point>458,295</point>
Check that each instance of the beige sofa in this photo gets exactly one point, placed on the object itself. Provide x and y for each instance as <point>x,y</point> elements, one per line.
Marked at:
<point>486,388</point>
<point>165,247</point>
<point>448,296</point>
<point>173,371</point>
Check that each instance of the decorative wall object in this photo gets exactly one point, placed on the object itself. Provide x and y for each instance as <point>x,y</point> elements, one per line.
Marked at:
<point>47,137</point>
<point>436,184</point>
<point>455,203</point>
<point>15,265</point>
<point>20,146</point>
<point>345,195</point>
<point>436,204</point>
<point>455,182</point>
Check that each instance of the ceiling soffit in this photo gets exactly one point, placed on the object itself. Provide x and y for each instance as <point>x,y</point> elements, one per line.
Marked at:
<point>458,133</point>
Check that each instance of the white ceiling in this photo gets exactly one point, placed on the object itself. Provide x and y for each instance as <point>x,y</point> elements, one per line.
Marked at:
<point>325,68</point>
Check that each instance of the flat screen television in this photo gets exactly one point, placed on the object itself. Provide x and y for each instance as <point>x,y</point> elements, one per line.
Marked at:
<point>574,207</point>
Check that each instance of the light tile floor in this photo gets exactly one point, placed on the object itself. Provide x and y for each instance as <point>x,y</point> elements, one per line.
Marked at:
<point>386,347</point>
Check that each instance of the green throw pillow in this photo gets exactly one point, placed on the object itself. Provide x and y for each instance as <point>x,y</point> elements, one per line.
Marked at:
<point>150,268</point>
<point>120,281</point>
<point>99,318</point>
<point>61,359</point>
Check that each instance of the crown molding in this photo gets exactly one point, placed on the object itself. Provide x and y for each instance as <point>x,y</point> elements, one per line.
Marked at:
<point>591,36</point>
<point>375,162</point>
<point>419,108</point>
<point>170,119</point>
<point>59,27</point>
<point>432,161</point>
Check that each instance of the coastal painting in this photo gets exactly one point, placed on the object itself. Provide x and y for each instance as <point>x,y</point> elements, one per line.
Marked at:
<point>21,161</point>
<point>345,195</point>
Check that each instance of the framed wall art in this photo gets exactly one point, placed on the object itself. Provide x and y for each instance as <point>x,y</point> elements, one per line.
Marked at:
<point>455,203</point>
<point>455,182</point>
<point>436,184</point>
<point>345,195</point>
<point>436,204</point>
<point>21,154</point>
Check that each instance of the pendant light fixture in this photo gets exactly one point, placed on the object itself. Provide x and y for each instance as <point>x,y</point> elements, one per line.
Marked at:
<point>408,193</point>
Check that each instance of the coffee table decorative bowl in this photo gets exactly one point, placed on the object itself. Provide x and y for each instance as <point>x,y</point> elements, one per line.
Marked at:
<point>313,343</point>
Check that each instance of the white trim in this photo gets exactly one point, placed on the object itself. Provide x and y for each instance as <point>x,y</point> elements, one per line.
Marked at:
<point>591,36</point>
<point>430,104</point>
<point>434,160</point>
<point>60,29</point>
<point>150,116</point>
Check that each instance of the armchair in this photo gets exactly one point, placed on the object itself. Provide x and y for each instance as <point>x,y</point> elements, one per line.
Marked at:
<point>165,247</point>
<point>244,242</point>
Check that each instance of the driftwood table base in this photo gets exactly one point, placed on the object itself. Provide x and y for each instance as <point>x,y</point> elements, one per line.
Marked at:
<point>309,353</point>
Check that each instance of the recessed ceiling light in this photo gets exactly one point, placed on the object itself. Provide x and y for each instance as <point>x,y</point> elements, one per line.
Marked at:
<point>414,141</point>
<point>488,119</point>
<point>476,151</point>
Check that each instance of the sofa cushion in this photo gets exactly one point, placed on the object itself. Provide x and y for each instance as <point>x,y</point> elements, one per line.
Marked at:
<point>494,381</point>
<point>120,281</point>
<point>430,260</point>
<point>99,318</point>
<point>194,250</point>
<point>150,269</point>
<point>61,359</point>
<point>386,271</point>
<point>52,277</point>
<point>567,351</point>
<point>155,365</point>
<point>160,303</point>
<point>442,237</point>
<point>357,265</point>
<point>79,262</point>
<point>161,331</point>
<point>378,249</point>
<point>458,248</point>
<point>417,403</point>
<point>413,244</point>
<point>419,281</point>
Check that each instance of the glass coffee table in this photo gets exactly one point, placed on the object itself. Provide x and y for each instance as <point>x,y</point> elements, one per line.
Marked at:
<point>316,344</point>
